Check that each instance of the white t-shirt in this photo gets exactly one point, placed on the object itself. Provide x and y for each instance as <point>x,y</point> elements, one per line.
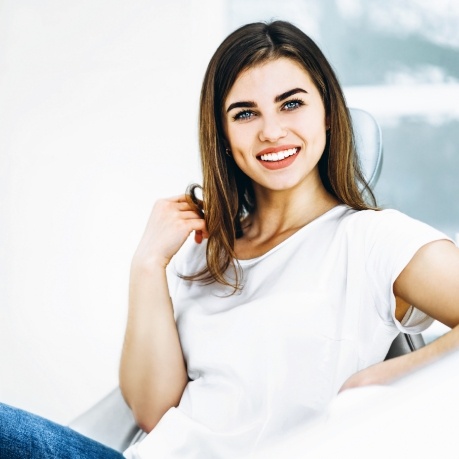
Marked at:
<point>312,311</point>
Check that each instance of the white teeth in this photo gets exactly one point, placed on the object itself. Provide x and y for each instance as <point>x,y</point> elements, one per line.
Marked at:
<point>279,155</point>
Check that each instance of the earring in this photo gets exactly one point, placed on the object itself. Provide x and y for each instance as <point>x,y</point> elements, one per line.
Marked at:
<point>228,152</point>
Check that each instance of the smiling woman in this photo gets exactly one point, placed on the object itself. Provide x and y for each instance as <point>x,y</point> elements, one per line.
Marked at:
<point>251,308</point>
<point>258,75</point>
<point>299,285</point>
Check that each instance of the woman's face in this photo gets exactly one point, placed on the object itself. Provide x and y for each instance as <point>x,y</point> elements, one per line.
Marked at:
<point>275,125</point>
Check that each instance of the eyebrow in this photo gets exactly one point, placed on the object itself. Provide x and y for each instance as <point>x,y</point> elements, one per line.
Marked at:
<point>287,94</point>
<point>279,98</point>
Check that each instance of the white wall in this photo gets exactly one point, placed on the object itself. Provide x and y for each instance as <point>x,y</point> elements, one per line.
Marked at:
<point>98,118</point>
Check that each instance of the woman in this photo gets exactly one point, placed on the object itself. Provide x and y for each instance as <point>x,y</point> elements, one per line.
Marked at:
<point>293,287</point>
<point>252,308</point>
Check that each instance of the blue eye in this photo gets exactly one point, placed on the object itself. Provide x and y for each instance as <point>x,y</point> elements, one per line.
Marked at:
<point>293,104</point>
<point>243,115</point>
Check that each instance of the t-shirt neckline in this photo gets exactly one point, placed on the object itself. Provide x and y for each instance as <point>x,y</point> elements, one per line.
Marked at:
<point>249,261</point>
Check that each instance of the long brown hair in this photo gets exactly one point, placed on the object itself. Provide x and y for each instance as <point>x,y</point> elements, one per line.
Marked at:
<point>227,192</point>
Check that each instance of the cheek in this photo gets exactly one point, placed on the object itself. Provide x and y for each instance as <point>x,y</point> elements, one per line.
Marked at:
<point>313,131</point>
<point>320,141</point>
<point>240,140</point>
<point>241,161</point>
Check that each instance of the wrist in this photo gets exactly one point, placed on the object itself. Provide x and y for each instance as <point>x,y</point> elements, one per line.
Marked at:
<point>150,265</point>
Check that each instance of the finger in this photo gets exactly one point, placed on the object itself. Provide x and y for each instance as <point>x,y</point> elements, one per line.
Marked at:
<point>182,198</point>
<point>184,206</point>
<point>190,215</point>
<point>178,198</point>
<point>197,225</point>
<point>198,237</point>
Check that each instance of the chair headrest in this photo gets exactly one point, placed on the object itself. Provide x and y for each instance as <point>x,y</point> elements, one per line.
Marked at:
<point>368,142</point>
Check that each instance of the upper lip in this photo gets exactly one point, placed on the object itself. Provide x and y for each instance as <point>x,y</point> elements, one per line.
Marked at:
<point>276,149</point>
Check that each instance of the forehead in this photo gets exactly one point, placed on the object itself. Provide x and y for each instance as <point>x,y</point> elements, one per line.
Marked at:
<point>268,78</point>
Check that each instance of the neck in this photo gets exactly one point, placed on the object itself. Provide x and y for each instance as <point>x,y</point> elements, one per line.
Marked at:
<point>283,211</point>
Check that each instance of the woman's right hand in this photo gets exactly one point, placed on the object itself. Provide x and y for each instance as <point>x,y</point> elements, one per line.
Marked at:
<point>171,222</point>
<point>153,373</point>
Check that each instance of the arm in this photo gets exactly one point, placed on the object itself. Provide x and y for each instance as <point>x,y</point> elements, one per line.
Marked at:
<point>430,282</point>
<point>152,371</point>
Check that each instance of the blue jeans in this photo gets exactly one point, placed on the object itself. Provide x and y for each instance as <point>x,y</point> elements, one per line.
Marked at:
<point>24,435</point>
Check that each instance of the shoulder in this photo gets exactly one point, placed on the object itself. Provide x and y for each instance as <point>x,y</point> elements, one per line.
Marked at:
<point>359,225</point>
<point>376,217</point>
<point>391,224</point>
<point>367,218</point>
<point>387,239</point>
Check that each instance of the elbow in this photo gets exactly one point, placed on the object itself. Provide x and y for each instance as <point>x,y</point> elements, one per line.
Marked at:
<point>147,418</point>
<point>149,406</point>
<point>147,413</point>
<point>144,418</point>
<point>145,423</point>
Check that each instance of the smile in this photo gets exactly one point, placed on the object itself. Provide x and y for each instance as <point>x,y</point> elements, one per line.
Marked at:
<point>280,155</point>
<point>278,158</point>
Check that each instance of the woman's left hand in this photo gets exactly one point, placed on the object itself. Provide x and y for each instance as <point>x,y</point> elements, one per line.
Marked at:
<point>378,374</point>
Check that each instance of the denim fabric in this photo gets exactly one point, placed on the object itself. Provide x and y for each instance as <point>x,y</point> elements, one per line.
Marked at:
<point>24,435</point>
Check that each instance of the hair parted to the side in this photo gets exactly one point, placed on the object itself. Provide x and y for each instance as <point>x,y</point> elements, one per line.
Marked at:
<point>227,192</point>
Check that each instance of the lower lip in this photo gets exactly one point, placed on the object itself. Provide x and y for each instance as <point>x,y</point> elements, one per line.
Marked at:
<point>283,163</point>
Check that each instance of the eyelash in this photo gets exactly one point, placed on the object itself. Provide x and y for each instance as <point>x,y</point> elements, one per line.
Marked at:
<point>242,115</point>
<point>298,103</point>
<point>247,114</point>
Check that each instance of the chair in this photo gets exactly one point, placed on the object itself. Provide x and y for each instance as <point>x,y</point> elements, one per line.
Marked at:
<point>111,422</point>
<point>368,143</point>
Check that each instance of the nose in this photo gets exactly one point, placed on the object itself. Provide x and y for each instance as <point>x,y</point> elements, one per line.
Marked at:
<point>271,129</point>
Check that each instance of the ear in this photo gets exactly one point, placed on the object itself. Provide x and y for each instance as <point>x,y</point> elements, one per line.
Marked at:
<point>227,147</point>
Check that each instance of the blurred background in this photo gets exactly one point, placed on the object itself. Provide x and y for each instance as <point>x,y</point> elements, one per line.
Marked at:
<point>98,119</point>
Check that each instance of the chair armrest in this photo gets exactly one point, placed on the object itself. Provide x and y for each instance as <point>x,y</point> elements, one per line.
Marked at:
<point>404,343</point>
<point>109,422</point>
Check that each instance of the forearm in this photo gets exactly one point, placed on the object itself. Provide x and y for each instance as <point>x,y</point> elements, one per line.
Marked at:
<point>152,371</point>
<point>393,369</point>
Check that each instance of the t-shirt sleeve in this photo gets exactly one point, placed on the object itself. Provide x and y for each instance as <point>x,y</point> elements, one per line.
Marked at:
<point>177,266</point>
<point>172,274</point>
<point>190,259</point>
<point>392,240</point>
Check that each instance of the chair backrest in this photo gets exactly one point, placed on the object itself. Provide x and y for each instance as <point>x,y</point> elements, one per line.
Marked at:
<point>368,142</point>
